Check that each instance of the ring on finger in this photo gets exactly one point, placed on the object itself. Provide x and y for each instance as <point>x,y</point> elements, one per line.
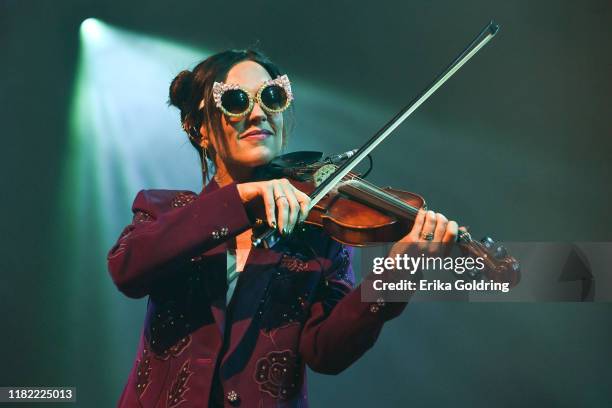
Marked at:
<point>280,196</point>
<point>429,236</point>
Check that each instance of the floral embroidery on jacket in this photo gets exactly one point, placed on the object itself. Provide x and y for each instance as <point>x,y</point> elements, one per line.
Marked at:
<point>339,282</point>
<point>175,350</point>
<point>179,386</point>
<point>293,264</point>
<point>285,301</point>
<point>278,374</point>
<point>143,372</point>
<point>182,199</point>
<point>141,216</point>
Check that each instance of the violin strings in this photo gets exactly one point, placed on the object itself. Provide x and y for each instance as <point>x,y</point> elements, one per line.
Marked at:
<point>380,193</point>
<point>463,236</point>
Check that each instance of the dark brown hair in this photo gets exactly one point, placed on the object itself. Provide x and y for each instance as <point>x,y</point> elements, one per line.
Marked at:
<point>189,88</point>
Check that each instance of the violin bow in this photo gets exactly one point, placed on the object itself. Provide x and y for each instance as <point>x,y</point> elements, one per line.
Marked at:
<point>270,236</point>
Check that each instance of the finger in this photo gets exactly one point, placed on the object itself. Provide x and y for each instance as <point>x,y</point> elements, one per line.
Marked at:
<point>417,227</point>
<point>304,201</point>
<point>294,206</point>
<point>429,226</point>
<point>450,235</point>
<point>270,206</point>
<point>282,207</point>
<point>441,223</point>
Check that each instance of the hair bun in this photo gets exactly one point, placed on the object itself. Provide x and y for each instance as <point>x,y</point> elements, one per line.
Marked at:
<point>180,89</point>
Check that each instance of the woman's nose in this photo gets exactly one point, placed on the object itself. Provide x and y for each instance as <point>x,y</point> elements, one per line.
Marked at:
<point>258,114</point>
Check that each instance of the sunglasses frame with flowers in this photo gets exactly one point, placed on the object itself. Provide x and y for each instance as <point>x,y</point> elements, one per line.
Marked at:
<point>219,88</point>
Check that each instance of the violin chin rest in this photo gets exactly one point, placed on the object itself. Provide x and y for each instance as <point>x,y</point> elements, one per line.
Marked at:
<point>297,159</point>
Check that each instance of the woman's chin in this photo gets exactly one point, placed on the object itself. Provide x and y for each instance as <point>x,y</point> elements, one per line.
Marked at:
<point>258,156</point>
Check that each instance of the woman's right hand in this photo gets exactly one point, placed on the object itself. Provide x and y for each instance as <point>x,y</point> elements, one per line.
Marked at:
<point>285,205</point>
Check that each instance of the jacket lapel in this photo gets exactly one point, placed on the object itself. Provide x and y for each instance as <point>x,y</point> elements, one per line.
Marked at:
<point>258,270</point>
<point>217,303</point>
<point>217,279</point>
<point>255,278</point>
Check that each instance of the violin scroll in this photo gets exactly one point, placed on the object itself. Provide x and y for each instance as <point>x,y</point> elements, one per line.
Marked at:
<point>499,265</point>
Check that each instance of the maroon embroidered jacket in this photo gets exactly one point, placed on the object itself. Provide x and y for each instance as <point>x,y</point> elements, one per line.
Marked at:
<point>293,305</point>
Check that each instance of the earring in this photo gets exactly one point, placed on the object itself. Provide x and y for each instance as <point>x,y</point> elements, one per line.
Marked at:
<point>208,166</point>
<point>193,133</point>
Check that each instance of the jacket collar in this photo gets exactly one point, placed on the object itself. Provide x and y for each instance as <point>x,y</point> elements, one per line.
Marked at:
<point>210,187</point>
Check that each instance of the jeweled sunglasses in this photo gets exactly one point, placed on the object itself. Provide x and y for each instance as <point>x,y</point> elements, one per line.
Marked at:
<point>274,96</point>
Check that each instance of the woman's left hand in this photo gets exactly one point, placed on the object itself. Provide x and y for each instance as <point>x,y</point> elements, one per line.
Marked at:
<point>432,235</point>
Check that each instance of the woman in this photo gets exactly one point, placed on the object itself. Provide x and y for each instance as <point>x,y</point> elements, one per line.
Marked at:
<point>210,339</point>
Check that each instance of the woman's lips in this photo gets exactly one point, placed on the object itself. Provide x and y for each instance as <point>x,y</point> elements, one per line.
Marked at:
<point>257,135</point>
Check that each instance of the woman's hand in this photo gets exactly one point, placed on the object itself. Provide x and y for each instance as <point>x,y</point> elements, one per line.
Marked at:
<point>432,235</point>
<point>285,205</point>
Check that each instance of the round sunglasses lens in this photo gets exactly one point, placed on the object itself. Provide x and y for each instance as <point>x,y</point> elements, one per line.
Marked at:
<point>274,97</point>
<point>235,101</point>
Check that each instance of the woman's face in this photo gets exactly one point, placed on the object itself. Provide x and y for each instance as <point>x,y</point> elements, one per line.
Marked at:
<point>256,138</point>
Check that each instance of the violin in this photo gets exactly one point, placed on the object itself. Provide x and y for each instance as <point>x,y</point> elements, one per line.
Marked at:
<point>358,213</point>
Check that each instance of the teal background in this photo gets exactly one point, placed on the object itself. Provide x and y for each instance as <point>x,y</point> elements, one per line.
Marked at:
<point>517,145</point>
